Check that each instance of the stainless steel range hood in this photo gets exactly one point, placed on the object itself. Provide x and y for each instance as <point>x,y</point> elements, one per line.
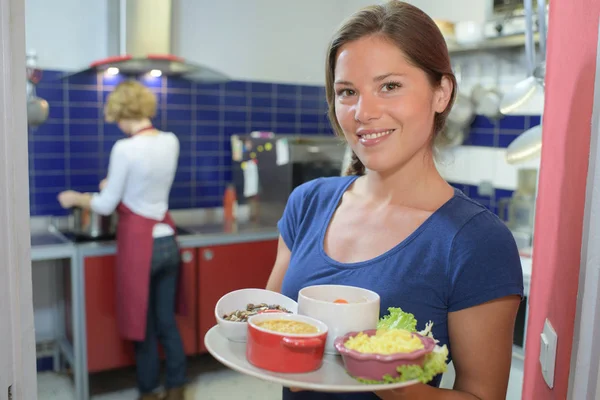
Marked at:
<point>139,36</point>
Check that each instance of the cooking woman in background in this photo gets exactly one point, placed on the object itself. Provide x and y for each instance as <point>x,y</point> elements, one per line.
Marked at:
<point>140,175</point>
<point>394,225</point>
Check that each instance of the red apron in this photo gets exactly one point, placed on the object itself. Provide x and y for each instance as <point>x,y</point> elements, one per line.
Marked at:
<point>134,257</point>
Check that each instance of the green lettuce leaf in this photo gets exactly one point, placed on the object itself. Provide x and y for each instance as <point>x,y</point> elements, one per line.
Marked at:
<point>435,363</point>
<point>398,319</point>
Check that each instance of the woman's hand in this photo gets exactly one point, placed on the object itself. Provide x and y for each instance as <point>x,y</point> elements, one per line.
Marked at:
<point>102,184</point>
<point>69,198</point>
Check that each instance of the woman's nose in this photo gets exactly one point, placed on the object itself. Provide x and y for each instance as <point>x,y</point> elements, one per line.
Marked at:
<point>367,109</point>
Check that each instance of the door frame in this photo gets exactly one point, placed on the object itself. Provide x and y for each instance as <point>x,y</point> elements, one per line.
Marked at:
<point>17,348</point>
<point>585,355</point>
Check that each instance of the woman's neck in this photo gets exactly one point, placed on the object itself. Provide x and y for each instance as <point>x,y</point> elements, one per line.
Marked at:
<point>138,126</point>
<point>416,184</point>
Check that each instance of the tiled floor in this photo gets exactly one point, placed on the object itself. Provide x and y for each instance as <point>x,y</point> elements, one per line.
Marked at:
<point>210,381</point>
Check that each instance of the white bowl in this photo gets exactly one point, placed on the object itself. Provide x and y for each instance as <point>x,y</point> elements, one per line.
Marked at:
<point>361,313</point>
<point>238,300</point>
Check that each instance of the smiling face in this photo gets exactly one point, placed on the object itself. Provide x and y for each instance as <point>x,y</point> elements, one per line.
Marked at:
<point>384,104</point>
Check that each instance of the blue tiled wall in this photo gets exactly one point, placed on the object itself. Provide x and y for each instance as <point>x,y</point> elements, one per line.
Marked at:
<point>494,133</point>
<point>499,133</point>
<point>71,149</point>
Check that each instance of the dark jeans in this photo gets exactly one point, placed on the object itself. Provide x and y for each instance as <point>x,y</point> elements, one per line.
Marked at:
<point>161,325</point>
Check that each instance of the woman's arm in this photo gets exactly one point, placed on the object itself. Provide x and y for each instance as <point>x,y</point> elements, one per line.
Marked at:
<point>482,338</point>
<point>280,268</point>
<point>105,202</point>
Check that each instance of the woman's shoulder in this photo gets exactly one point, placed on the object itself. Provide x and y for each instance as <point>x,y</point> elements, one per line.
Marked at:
<point>465,216</point>
<point>477,220</point>
<point>169,137</point>
<point>484,261</point>
<point>320,188</point>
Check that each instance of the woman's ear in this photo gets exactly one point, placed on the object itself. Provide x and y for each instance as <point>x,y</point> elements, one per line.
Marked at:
<point>443,94</point>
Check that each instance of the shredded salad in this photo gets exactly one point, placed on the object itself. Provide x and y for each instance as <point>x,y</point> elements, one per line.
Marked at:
<point>398,320</point>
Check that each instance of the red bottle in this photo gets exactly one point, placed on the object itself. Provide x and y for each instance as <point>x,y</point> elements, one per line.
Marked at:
<point>230,203</point>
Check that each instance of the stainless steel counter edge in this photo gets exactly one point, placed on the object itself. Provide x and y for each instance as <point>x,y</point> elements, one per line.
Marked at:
<point>66,250</point>
<point>52,252</point>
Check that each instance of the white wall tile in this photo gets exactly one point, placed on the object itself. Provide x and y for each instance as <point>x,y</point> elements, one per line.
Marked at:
<point>472,165</point>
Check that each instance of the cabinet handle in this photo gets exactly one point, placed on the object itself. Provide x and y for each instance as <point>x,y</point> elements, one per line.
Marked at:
<point>187,256</point>
<point>207,254</point>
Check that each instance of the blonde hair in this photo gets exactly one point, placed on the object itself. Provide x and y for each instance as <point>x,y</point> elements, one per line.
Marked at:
<point>413,32</point>
<point>130,100</point>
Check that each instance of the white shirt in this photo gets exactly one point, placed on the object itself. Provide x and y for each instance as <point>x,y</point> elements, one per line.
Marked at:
<point>141,171</point>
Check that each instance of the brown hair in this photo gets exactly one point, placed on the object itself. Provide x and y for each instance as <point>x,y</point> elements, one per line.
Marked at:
<point>130,100</point>
<point>414,32</point>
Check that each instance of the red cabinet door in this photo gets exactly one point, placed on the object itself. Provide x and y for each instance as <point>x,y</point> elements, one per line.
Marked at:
<point>106,349</point>
<point>225,268</point>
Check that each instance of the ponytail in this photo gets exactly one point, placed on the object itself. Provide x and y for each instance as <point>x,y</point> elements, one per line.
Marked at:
<point>356,166</point>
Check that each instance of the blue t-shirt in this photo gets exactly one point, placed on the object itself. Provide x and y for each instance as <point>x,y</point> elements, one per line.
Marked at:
<point>461,256</point>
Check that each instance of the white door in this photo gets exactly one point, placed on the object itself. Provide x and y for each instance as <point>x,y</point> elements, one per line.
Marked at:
<point>17,337</point>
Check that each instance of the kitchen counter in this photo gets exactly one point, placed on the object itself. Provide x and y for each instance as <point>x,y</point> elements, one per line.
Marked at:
<point>53,245</point>
<point>50,246</point>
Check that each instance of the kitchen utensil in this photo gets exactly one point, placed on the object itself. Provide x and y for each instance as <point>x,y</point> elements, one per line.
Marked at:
<point>85,222</point>
<point>451,136</point>
<point>487,101</point>
<point>463,111</point>
<point>37,108</point>
<point>527,146</point>
<point>525,90</point>
<point>37,111</point>
<point>331,377</point>
<point>518,97</point>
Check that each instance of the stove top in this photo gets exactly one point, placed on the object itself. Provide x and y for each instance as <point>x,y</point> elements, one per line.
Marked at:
<point>82,238</point>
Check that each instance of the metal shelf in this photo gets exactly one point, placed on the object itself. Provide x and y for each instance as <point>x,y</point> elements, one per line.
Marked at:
<point>505,42</point>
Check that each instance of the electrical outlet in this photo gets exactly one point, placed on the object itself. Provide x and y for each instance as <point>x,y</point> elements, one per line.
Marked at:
<point>548,342</point>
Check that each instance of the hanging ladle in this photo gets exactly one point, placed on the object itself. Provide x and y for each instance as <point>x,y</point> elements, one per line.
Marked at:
<point>523,91</point>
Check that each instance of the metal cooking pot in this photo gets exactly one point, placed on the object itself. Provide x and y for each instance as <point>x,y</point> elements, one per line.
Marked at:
<point>90,224</point>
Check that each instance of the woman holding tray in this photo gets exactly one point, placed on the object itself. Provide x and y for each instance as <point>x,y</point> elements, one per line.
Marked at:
<point>394,225</point>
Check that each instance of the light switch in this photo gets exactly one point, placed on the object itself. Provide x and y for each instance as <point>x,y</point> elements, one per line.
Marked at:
<point>548,341</point>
